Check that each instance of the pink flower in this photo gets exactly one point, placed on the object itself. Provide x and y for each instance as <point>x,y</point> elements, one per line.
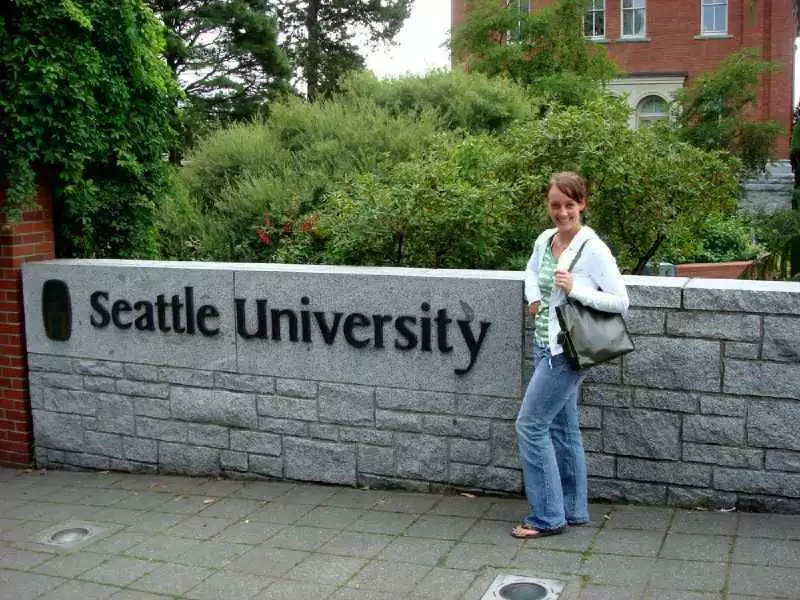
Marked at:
<point>264,237</point>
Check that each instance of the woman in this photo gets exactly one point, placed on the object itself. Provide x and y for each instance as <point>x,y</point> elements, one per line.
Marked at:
<point>548,434</point>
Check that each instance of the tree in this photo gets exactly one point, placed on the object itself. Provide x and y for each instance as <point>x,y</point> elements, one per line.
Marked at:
<point>712,113</point>
<point>321,36</point>
<point>544,50</point>
<point>87,100</point>
<point>226,55</point>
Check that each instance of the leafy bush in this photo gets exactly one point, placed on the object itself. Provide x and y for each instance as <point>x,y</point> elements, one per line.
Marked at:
<point>722,238</point>
<point>461,100</point>
<point>85,98</point>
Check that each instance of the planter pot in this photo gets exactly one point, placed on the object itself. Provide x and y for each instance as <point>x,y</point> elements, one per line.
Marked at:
<point>724,270</point>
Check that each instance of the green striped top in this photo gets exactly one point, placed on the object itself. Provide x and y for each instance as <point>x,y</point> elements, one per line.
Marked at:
<point>546,275</point>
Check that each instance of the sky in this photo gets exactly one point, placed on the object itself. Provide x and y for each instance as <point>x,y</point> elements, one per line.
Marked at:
<point>421,45</point>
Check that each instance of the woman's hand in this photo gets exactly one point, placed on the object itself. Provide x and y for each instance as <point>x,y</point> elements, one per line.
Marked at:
<point>533,308</point>
<point>563,279</point>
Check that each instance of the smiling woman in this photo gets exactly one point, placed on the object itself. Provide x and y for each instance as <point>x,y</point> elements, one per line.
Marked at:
<point>421,45</point>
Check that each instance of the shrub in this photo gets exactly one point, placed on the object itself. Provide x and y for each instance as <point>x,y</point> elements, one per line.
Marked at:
<point>86,98</point>
<point>722,238</point>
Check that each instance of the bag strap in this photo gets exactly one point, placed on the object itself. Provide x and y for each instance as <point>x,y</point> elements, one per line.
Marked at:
<point>578,255</point>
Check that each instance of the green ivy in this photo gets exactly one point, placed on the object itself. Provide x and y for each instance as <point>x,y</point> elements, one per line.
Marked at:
<point>87,101</point>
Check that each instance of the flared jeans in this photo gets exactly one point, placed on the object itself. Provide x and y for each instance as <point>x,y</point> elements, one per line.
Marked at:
<point>550,444</point>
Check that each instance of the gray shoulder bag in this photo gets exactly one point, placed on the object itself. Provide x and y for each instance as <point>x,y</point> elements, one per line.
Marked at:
<point>590,336</point>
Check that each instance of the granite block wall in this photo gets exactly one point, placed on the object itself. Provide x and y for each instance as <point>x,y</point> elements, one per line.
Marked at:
<point>703,413</point>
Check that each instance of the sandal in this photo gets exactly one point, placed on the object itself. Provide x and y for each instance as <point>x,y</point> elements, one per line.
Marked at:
<point>528,532</point>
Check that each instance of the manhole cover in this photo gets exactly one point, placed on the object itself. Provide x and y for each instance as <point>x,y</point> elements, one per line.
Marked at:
<point>518,587</point>
<point>70,536</point>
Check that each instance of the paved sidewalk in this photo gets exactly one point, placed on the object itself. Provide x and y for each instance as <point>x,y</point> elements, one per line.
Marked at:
<point>197,538</point>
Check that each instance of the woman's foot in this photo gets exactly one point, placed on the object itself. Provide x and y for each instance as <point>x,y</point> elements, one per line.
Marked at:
<point>526,532</point>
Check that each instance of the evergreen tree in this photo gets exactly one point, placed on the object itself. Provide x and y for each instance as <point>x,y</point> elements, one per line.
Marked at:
<point>322,36</point>
<point>226,55</point>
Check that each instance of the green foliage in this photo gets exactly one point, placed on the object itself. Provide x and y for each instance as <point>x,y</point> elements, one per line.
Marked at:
<point>283,169</point>
<point>544,50</point>
<point>320,37</point>
<point>446,208</point>
<point>472,102</point>
<point>779,234</point>
<point>227,54</point>
<point>86,98</point>
<point>710,114</point>
<point>723,237</point>
<point>398,173</point>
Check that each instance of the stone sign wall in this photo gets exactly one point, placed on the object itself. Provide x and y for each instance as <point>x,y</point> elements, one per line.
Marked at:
<point>705,411</point>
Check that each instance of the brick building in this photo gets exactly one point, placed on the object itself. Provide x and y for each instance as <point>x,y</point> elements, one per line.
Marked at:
<point>662,44</point>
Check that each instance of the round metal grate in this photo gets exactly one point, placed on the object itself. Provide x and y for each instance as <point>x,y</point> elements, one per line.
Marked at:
<point>523,590</point>
<point>70,536</point>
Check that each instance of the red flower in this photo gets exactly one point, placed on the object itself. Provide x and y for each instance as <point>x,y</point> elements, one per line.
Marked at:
<point>287,227</point>
<point>264,237</point>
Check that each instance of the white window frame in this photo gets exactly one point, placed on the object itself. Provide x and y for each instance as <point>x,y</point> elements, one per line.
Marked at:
<point>651,117</point>
<point>594,10</point>
<point>633,8</point>
<point>704,30</point>
<point>512,36</point>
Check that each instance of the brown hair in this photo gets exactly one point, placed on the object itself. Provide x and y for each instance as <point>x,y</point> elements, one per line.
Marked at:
<point>571,185</point>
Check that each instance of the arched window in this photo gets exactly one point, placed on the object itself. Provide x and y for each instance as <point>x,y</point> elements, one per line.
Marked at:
<point>651,109</point>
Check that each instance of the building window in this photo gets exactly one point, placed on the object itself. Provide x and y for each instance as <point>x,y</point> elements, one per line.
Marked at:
<point>594,21</point>
<point>520,7</point>
<point>650,110</point>
<point>715,17</point>
<point>634,15</point>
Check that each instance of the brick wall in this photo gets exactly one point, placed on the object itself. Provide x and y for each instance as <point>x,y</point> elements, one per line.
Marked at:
<point>672,44</point>
<point>31,239</point>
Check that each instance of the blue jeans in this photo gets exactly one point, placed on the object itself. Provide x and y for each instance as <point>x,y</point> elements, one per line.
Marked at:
<point>550,444</point>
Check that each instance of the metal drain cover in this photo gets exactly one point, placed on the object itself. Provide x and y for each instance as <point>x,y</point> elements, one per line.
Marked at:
<point>70,534</point>
<point>517,587</point>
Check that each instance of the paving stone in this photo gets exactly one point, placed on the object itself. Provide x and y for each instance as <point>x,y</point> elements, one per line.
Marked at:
<point>639,517</point>
<point>331,517</point>
<point>184,505</point>
<point>681,595</point>
<point>764,581</point>
<point>714,548</point>
<point>143,500</point>
<point>441,527</point>
<point>275,512</point>
<point>229,586</point>
<point>155,522</point>
<point>776,553</point>
<point>12,558</point>
<point>360,545</point>
<point>443,584</point>
<point>705,522</point>
<point>295,537</point>
<point>308,494</point>
<point>117,542</point>
<point>352,594</point>
<point>576,539</point>
<point>79,590</point>
<point>688,575</point>
<point>548,561</point>
<point>211,554</point>
<point>24,586</point>
<point>491,532</point>
<point>474,557</point>
<point>200,528</point>
<point>608,592</point>
<point>629,542</point>
<point>293,590</point>
<point>231,508</point>
<point>268,561</point>
<point>119,570</point>
<point>391,577</point>
<point>620,571</point>
<point>137,595</point>
<point>171,579</point>
<point>416,550</point>
<point>70,565</point>
<point>460,506</point>
<point>326,569</point>
<point>781,527</point>
<point>264,490</point>
<point>161,547</point>
<point>248,532</point>
<point>401,502</point>
<point>382,522</point>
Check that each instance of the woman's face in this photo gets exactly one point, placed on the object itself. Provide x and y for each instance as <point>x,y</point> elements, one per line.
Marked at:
<point>565,212</point>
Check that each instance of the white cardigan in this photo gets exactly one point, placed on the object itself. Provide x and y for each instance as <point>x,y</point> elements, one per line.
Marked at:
<point>597,281</point>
